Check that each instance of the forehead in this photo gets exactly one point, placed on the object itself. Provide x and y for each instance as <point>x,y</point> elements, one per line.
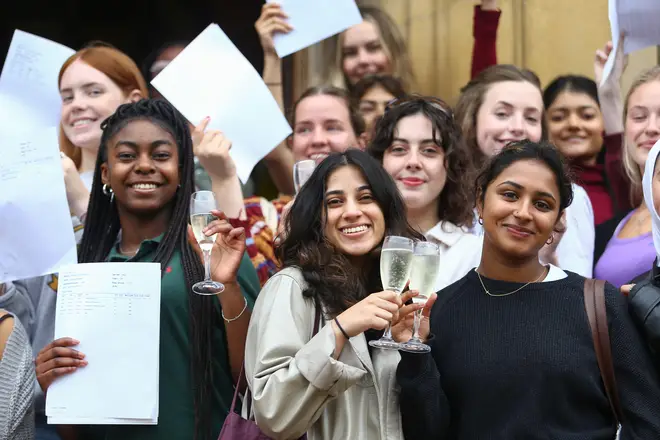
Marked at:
<point>571,98</point>
<point>80,73</point>
<point>377,93</point>
<point>361,33</point>
<point>417,125</point>
<point>318,108</point>
<point>646,95</point>
<point>143,131</point>
<point>170,53</point>
<point>534,175</point>
<point>347,179</point>
<point>520,94</point>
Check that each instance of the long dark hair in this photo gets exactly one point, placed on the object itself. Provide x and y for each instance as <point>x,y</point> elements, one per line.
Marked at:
<point>102,227</point>
<point>332,279</point>
<point>456,199</point>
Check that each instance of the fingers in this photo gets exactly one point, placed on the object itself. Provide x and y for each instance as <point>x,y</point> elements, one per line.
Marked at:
<point>626,288</point>
<point>426,312</point>
<point>408,295</point>
<point>406,311</point>
<point>194,244</point>
<point>270,10</point>
<point>46,353</point>
<point>390,296</point>
<point>201,127</point>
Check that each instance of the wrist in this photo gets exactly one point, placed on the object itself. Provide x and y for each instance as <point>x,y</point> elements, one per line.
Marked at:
<point>487,5</point>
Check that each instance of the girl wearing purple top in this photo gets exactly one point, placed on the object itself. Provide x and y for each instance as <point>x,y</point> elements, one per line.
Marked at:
<point>630,251</point>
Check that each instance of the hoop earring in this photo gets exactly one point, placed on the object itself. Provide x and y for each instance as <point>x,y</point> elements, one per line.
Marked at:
<point>480,221</point>
<point>107,190</point>
<point>550,240</point>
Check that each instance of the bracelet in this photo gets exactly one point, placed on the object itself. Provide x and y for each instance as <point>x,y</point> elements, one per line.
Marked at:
<point>341,329</point>
<point>222,312</point>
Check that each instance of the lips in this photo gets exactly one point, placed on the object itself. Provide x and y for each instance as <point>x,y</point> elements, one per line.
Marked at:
<point>412,181</point>
<point>354,230</point>
<point>144,186</point>
<point>81,122</point>
<point>519,231</point>
<point>648,144</point>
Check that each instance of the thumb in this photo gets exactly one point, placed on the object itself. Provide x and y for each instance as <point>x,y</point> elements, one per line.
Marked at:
<point>426,312</point>
<point>193,243</point>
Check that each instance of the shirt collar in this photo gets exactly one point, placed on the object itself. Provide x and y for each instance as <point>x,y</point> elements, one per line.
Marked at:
<point>446,233</point>
<point>146,246</point>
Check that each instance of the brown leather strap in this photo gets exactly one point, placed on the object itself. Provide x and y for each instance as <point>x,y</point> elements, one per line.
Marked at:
<point>594,303</point>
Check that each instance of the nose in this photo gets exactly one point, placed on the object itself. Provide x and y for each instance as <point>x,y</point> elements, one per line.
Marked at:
<point>77,102</point>
<point>319,138</point>
<point>522,211</point>
<point>517,125</point>
<point>144,164</point>
<point>363,56</point>
<point>653,127</point>
<point>573,121</point>
<point>413,160</point>
<point>352,211</point>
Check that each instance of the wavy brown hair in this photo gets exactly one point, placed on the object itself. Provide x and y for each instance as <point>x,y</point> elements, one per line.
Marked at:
<point>457,197</point>
<point>333,280</point>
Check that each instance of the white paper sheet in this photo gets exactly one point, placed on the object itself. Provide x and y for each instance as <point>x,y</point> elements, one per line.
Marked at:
<point>638,20</point>
<point>314,21</point>
<point>36,233</point>
<point>113,309</point>
<point>212,78</point>
<point>29,92</point>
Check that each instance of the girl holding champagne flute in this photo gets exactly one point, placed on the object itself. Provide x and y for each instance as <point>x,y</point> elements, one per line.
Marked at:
<point>336,386</point>
<point>139,212</point>
<point>512,354</point>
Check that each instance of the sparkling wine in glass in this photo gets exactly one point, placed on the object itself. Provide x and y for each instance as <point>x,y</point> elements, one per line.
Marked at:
<point>395,264</point>
<point>302,171</point>
<point>423,276</point>
<point>201,205</point>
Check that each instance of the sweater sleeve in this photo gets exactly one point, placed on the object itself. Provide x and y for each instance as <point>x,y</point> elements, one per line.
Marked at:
<point>637,380</point>
<point>615,171</point>
<point>17,301</point>
<point>424,406</point>
<point>484,52</point>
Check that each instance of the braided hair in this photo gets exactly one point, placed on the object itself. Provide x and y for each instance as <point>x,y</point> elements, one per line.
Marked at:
<point>102,228</point>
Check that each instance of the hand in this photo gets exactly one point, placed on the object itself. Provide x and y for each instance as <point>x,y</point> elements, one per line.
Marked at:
<point>489,5</point>
<point>280,225</point>
<point>227,251</point>
<point>212,149</point>
<point>375,311</point>
<point>402,330</point>
<point>548,253</point>
<point>77,194</point>
<point>57,359</point>
<point>270,21</point>
<point>620,64</point>
<point>626,288</point>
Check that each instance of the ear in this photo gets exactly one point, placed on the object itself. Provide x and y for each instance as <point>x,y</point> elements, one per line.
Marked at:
<point>480,204</point>
<point>362,141</point>
<point>105,174</point>
<point>289,141</point>
<point>134,96</point>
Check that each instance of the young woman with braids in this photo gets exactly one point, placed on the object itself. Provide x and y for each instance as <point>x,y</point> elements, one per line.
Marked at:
<point>201,338</point>
<point>421,147</point>
<point>331,386</point>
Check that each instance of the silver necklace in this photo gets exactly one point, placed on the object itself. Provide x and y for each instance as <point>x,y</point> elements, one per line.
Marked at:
<point>121,250</point>
<point>509,293</point>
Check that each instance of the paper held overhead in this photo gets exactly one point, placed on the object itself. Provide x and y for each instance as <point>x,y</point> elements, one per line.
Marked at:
<point>212,78</point>
<point>314,21</point>
<point>638,21</point>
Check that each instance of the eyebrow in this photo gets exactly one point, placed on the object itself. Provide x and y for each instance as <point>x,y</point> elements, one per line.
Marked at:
<point>84,86</point>
<point>325,121</point>
<point>508,104</point>
<point>339,191</point>
<point>134,145</point>
<point>519,186</point>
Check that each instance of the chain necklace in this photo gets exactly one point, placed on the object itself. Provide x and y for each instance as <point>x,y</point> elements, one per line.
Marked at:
<point>545,271</point>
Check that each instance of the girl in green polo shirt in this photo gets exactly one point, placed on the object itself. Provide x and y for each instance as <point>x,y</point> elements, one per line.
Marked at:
<point>139,211</point>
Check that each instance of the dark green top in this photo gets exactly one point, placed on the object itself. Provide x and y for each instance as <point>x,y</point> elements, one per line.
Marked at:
<point>176,418</point>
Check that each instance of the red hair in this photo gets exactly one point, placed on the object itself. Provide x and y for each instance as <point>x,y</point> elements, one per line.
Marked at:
<point>118,66</point>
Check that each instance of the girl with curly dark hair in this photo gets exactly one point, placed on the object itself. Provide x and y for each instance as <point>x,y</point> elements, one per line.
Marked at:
<point>421,146</point>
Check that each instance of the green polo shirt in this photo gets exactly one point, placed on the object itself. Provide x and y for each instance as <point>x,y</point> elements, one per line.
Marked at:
<point>176,417</point>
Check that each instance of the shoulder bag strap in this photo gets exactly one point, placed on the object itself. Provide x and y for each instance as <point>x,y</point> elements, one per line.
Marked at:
<point>594,303</point>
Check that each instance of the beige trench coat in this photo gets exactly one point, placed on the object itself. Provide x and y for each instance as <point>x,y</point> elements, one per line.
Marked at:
<point>298,387</point>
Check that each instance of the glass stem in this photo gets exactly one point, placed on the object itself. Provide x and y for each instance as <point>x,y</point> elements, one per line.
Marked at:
<point>207,265</point>
<point>418,315</point>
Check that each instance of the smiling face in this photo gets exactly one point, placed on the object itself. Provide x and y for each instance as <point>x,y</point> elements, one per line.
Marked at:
<point>354,223</point>
<point>520,209</point>
<point>642,125</point>
<point>416,162</point>
<point>511,111</point>
<point>363,52</point>
<point>88,98</point>
<point>142,168</point>
<point>575,126</point>
<point>322,126</point>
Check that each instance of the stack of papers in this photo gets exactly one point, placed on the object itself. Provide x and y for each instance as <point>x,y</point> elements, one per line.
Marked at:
<point>113,309</point>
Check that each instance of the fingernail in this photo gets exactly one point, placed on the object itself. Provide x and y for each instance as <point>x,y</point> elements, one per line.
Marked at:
<point>75,341</point>
<point>82,363</point>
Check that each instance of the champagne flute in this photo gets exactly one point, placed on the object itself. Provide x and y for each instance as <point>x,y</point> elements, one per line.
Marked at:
<point>424,273</point>
<point>395,263</point>
<point>302,171</point>
<point>201,205</point>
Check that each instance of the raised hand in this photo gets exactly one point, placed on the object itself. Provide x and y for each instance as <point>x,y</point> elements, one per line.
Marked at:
<point>271,20</point>
<point>227,251</point>
<point>620,63</point>
<point>375,311</point>
<point>402,329</point>
<point>212,149</point>
<point>77,194</point>
<point>58,359</point>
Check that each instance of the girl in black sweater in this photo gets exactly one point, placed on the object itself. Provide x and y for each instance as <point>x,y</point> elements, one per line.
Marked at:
<point>512,353</point>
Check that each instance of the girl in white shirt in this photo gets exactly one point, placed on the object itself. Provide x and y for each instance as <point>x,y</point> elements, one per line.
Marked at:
<point>421,147</point>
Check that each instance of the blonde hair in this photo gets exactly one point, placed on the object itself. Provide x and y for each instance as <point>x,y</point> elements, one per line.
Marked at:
<point>633,171</point>
<point>472,97</point>
<point>118,66</point>
<point>393,43</point>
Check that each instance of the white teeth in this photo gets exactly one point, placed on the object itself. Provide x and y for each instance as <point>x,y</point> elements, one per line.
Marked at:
<point>80,122</point>
<point>318,156</point>
<point>354,230</point>
<point>145,186</point>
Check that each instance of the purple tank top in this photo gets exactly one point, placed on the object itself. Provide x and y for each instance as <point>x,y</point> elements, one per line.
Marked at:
<point>625,258</point>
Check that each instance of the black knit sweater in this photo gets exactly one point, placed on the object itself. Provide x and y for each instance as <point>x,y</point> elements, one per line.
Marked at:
<point>524,367</point>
